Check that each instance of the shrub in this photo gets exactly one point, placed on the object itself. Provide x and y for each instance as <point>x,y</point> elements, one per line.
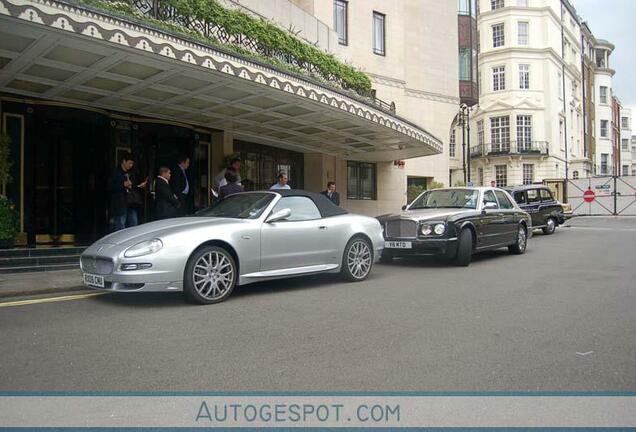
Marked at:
<point>8,219</point>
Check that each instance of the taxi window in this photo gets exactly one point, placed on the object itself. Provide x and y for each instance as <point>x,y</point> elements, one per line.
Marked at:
<point>533,196</point>
<point>546,195</point>
<point>520,197</point>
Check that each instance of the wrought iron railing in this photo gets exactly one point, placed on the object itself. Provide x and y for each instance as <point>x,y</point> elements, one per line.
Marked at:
<point>510,147</point>
<point>160,10</point>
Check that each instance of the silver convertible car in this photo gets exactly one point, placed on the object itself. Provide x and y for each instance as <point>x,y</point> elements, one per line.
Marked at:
<point>247,237</point>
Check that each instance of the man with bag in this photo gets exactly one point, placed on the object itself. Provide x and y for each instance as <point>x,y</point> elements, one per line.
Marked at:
<point>125,194</point>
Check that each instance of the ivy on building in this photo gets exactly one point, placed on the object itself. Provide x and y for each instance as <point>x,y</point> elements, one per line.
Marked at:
<point>236,22</point>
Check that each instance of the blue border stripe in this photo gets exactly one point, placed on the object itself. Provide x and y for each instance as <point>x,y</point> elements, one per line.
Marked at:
<point>318,393</point>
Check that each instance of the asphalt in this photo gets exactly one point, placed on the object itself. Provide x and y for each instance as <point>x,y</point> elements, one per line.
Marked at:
<point>559,318</point>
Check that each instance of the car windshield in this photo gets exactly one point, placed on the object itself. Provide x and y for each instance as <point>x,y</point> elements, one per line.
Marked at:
<point>239,206</point>
<point>446,198</point>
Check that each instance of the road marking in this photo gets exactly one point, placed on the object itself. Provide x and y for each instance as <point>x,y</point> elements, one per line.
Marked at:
<point>600,228</point>
<point>584,354</point>
<point>51,299</point>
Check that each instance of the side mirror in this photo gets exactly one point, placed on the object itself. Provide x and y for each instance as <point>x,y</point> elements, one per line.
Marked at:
<point>404,207</point>
<point>490,206</point>
<point>280,215</point>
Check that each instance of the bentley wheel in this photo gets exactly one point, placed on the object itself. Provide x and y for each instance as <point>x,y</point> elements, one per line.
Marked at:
<point>550,226</point>
<point>357,260</point>
<point>464,248</point>
<point>522,241</point>
<point>210,275</point>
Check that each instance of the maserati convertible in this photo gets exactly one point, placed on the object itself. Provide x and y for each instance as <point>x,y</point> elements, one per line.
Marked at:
<point>245,238</point>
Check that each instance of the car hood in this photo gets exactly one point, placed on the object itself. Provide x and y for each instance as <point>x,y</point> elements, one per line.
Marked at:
<point>162,228</point>
<point>424,214</point>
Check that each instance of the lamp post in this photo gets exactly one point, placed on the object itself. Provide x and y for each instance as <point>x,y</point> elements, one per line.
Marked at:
<point>464,122</point>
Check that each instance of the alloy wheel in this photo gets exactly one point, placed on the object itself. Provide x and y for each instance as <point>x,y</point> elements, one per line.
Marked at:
<point>359,259</point>
<point>213,275</point>
<point>522,239</point>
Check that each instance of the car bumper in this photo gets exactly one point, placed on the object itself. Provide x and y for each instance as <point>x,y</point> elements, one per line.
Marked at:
<point>136,281</point>
<point>438,246</point>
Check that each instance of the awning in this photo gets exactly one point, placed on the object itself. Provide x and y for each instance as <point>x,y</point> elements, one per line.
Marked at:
<point>56,51</point>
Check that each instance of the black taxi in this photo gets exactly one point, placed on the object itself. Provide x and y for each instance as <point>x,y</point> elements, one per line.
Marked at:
<point>536,199</point>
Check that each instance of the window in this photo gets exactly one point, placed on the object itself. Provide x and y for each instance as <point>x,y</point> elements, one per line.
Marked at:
<point>302,208</point>
<point>361,180</point>
<point>480,176</point>
<point>522,33</point>
<point>533,196</point>
<point>528,174</point>
<point>500,134</point>
<point>451,144</point>
<point>378,33</point>
<point>603,95</point>
<point>561,138</point>
<point>545,195</point>
<point>560,85</point>
<point>504,201</point>
<point>524,133</point>
<point>575,90</point>
<point>604,158</point>
<point>498,35</point>
<point>625,144</point>
<point>464,64</point>
<point>604,128</point>
<point>625,122</point>
<point>625,170</point>
<point>499,78</point>
<point>575,175</point>
<point>496,4</point>
<point>340,19</point>
<point>524,76</point>
<point>519,197</point>
<point>501,175</point>
<point>480,133</point>
<point>522,3</point>
<point>489,197</point>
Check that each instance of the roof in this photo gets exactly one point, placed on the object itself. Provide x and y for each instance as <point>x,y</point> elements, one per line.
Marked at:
<point>526,187</point>
<point>324,204</point>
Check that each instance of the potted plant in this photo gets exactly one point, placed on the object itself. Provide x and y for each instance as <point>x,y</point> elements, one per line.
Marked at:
<point>8,223</point>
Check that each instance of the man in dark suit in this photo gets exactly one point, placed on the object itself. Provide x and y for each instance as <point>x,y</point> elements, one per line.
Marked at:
<point>181,185</point>
<point>166,202</point>
<point>331,193</point>
<point>122,187</point>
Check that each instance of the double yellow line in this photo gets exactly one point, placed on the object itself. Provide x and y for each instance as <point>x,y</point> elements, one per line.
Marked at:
<point>51,299</point>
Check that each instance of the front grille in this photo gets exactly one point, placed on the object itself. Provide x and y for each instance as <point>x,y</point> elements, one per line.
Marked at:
<point>97,265</point>
<point>401,228</point>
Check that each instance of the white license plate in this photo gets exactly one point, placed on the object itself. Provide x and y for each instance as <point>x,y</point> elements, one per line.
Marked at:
<point>93,280</point>
<point>398,245</point>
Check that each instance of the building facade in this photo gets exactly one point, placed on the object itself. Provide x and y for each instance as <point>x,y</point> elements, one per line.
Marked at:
<point>529,123</point>
<point>625,142</point>
<point>81,85</point>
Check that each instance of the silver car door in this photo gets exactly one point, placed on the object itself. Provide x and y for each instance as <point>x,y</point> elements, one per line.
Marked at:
<point>301,240</point>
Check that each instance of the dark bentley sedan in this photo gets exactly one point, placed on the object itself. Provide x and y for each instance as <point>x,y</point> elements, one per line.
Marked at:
<point>456,222</point>
<point>537,200</point>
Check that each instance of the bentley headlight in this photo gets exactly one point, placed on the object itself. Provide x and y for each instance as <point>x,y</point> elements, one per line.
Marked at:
<point>144,248</point>
<point>426,230</point>
<point>439,229</point>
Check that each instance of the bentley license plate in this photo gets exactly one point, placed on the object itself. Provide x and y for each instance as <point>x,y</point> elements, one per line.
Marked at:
<point>93,280</point>
<point>397,245</point>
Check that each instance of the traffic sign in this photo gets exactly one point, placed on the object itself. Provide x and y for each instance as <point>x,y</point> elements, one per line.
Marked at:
<point>589,195</point>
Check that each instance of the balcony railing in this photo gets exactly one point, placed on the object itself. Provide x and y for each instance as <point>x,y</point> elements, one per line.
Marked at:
<point>529,148</point>
<point>161,10</point>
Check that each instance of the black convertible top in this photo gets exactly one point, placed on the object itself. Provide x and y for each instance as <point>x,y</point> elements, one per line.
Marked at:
<point>324,204</point>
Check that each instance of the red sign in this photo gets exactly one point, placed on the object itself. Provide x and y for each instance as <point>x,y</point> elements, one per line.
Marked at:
<point>589,195</point>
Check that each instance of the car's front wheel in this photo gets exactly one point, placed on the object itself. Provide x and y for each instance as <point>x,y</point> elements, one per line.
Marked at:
<point>210,275</point>
<point>522,241</point>
<point>550,226</point>
<point>464,248</point>
<point>357,260</point>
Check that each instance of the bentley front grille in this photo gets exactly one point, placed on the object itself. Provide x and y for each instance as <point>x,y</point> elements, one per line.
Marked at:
<point>401,229</point>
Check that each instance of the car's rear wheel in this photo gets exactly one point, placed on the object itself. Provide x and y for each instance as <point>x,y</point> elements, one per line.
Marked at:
<point>550,226</point>
<point>357,260</point>
<point>464,248</point>
<point>522,241</point>
<point>210,275</point>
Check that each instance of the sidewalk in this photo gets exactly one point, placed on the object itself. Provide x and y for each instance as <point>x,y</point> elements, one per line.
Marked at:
<point>27,284</point>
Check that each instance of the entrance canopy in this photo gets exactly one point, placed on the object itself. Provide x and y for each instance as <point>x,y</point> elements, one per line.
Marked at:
<point>55,51</point>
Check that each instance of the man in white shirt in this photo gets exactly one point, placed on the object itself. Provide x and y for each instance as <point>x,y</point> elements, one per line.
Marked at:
<point>282,182</point>
<point>235,165</point>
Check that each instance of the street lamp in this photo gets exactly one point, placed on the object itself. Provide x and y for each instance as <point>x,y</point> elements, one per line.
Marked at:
<point>464,122</point>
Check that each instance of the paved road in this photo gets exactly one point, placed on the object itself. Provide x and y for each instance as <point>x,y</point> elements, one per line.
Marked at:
<point>504,323</point>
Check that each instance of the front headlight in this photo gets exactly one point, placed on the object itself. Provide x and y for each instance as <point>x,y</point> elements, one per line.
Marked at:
<point>143,248</point>
<point>426,230</point>
<point>439,229</point>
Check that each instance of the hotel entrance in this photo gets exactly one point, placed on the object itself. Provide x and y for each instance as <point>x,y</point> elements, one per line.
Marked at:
<point>260,165</point>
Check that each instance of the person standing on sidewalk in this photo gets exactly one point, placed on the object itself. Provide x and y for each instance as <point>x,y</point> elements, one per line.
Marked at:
<point>181,185</point>
<point>123,192</point>
<point>166,202</point>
